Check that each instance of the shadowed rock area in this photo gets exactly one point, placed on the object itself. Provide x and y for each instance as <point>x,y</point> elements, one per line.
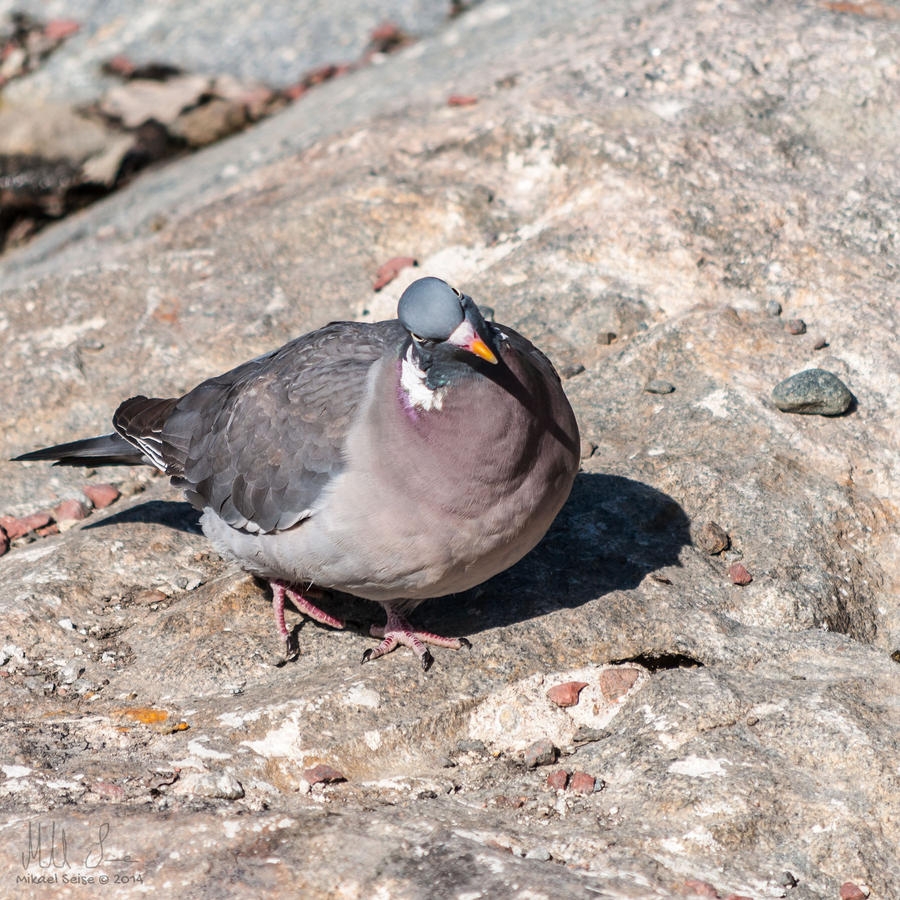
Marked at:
<point>648,191</point>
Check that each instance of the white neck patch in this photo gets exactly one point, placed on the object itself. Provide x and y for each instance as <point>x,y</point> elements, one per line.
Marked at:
<point>412,382</point>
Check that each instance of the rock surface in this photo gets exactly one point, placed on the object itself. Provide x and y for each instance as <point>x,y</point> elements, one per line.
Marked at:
<point>657,173</point>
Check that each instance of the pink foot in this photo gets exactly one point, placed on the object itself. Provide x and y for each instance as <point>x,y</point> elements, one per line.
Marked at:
<point>399,631</point>
<point>280,590</point>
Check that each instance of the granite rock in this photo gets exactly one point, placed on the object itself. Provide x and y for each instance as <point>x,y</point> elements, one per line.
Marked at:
<point>656,172</point>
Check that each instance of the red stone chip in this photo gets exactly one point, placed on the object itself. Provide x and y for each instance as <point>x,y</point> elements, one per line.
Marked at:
<point>566,694</point>
<point>739,575</point>
<point>582,783</point>
<point>558,780</point>
<point>324,774</point>
<point>615,683</point>
<point>388,271</point>
<point>101,495</point>
<point>16,527</point>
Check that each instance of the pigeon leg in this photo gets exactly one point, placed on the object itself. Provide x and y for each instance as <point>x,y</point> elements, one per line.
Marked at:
<point>280,590</point>
<point>399,631</point>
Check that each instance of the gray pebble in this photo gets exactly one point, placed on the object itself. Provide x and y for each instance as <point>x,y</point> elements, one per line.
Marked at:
<point>541,753</point>
<point>70,672</point>
<point>813,392</point>
<point>796,326</point>
<point>773,308</point>
<point>659,387</point>
<point>222,786</point>
<point>471,746</point>
<point>541,853</point>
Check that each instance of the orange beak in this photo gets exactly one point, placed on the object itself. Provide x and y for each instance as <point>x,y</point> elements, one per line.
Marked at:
<point>480,348</point>
<point>467,338</point>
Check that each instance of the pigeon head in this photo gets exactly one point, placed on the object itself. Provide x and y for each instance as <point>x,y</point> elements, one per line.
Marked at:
<point>441,321</point>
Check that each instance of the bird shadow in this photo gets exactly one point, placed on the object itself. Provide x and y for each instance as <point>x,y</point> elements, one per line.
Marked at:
<point>173,514</point>
<point>609,536</point>
<point>612,532</point>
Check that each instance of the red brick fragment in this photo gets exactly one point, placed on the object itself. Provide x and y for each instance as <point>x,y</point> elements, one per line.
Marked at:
<point>4,542</point>
<point>566,694</point>
<point>739,575</point>
<point>108,790</point>
<point>60,29</point>
<point>16,527</point>
<point>615,683</point>
<point>52,528</point>
<point>852,891</point>
<point>324,774</point>
<point>558,780</point>
<point>582,783</point>
<point>387,38</point>
<point>120,65</point>
<point>388,271</point>
<point>70,511</point>
<point>462,100</point>
<point>701,888</point>
<point>101,495</point>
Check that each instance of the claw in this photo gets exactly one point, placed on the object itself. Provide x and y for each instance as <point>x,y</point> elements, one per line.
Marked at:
<point>399,631</point>
<point>280,590</point>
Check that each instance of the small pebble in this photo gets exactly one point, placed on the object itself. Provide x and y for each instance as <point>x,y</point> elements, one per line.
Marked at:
<point>852,891</point>
<point>788,880</point>
<point>795,326</point>
<point>566,694</point>
<point>615,683</point>
<point>812,392</point>
<point>388,271</point>
<point>820,344</point>
<point>70,511</point>
<point>586,735</point>
<point>4,542</point>
<point>462,100</point>
<point>16,527</point>
<point>471,747</point>
<point>68,624</point>
<point>109,791</point>
<point>70,673</point>
<point>712,538</point>
<point>541,853</point>
<point>570,370</point>
<point>582,783</point>
<point>323,774</point>
<point>541,753</point>
<point>773,308</point>
<point>739,575</point>
<point>221,786</point>
<point>558,780</point>
<point>658,386</point>
<point>588,449</point>
<point>606,337</point>
<point>701,888</point>
<point>101,495</point>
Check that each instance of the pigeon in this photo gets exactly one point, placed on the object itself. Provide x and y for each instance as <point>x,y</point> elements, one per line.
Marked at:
<point>396,461</point>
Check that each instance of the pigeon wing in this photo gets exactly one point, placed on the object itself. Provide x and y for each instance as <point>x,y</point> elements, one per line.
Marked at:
<point>259,444</point>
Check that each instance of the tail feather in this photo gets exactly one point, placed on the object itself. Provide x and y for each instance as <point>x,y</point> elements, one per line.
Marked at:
<point>106,450</point>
